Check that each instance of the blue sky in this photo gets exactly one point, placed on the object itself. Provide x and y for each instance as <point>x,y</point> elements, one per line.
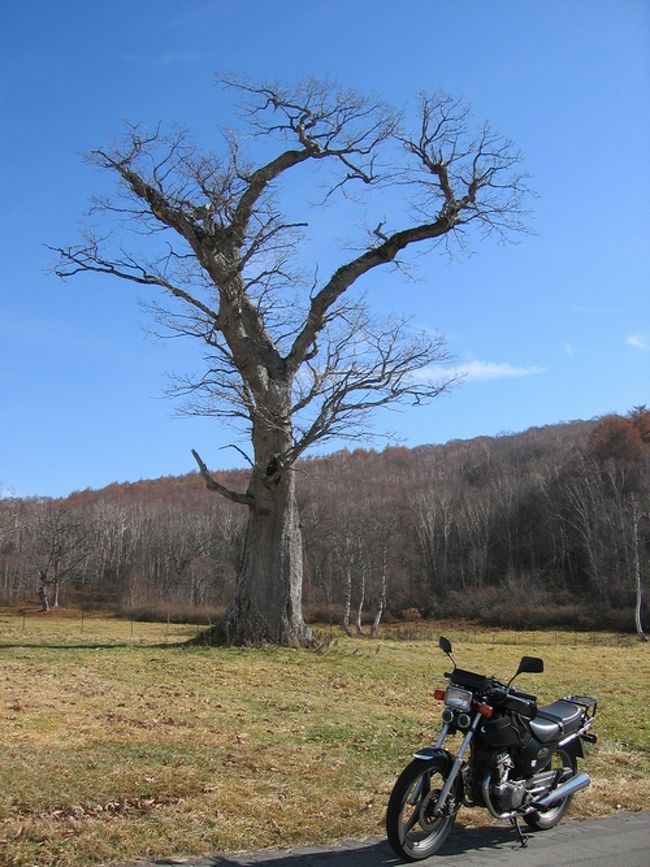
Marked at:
<point>554,328</point>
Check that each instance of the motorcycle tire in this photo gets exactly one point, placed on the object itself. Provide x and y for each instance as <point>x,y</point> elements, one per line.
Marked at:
<point>542,821</point>
<point>412,831</point>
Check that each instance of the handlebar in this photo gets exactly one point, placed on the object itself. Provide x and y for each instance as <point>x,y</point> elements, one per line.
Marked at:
<point>495,692</point>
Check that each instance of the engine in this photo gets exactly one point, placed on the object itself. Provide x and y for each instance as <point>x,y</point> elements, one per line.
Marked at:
<point>506,794</point>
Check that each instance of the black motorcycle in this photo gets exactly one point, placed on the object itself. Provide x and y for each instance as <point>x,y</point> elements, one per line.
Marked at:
<point>515,759</point>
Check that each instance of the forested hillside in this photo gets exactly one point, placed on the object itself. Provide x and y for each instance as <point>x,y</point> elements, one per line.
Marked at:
<point>546,527</point>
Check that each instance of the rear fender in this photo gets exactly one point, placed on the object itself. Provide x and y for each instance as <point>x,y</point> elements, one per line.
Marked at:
<point>574,748</point>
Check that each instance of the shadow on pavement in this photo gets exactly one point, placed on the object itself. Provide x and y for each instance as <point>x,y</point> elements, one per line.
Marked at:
<point>375,853</point>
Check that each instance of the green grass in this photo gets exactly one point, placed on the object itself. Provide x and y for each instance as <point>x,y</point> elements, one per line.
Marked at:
<point>119,747</point>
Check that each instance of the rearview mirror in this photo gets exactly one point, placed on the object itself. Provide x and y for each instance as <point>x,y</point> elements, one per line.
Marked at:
<point>530,665</point>
<point>444,644</point>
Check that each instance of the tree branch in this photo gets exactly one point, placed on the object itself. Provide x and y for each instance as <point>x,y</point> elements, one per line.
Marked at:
<point>213,485</point>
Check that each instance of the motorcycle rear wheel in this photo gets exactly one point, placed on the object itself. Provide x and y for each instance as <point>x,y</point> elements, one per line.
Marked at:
<point>413,831</point>
<point>542,821</point>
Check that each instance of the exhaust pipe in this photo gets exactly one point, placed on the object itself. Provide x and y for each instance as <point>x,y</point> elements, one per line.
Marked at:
<point>572,785</point>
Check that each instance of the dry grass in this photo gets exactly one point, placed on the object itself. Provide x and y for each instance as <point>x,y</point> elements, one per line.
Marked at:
<point>118,747</point>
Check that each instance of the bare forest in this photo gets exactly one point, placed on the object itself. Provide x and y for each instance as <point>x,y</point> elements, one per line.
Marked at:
<point>549,527</point>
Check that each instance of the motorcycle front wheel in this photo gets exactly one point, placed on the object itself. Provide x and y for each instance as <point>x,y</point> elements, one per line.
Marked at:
<point>560,760</point>
<point>413,831</point>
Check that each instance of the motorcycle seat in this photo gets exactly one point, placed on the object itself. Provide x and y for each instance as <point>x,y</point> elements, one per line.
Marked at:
<point>555,720</point>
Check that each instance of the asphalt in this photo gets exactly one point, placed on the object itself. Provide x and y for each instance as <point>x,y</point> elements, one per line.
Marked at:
<point>622,840</point>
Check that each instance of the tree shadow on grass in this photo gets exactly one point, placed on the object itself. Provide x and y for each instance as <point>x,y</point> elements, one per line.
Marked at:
<point>84,646</point>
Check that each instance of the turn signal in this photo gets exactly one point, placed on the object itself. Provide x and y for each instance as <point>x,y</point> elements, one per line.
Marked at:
<point>439,694</point>
<point>485,710</point>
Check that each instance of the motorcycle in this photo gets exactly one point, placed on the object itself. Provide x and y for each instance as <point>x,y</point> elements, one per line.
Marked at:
<point>516,759</point>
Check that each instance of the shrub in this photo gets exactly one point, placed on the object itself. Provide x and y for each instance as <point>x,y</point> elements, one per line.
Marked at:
<point>155,612</point>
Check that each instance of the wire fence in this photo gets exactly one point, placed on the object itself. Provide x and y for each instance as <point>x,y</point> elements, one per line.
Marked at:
<point>80,628</point>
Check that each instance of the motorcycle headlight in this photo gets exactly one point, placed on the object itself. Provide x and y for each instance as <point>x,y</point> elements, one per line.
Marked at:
<point>458,698</point>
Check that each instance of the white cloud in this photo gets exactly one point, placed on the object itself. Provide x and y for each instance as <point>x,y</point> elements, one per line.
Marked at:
<point>483,371</point>
<point>568,348</point>
<point>639,340</point>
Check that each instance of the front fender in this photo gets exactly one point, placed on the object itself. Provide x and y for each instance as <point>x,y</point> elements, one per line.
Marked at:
<point>425,754</point>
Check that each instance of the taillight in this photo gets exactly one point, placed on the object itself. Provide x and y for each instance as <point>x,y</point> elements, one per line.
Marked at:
<point>485,710</point>
<point>439,694</point>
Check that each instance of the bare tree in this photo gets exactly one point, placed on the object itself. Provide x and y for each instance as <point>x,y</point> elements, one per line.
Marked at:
<point>295,358</point>
<point>61,544</point>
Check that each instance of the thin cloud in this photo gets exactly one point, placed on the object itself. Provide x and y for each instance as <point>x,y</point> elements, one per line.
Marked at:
<point>483,371</point>
<point>639,340</point>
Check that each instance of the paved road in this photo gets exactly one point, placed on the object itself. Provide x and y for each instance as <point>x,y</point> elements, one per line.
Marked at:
<point>618,841</point>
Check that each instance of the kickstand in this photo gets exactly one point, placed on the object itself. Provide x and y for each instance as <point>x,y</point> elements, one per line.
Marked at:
<point>523,839</point>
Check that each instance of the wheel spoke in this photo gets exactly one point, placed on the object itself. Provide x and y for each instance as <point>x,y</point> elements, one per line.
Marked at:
<point>421,788</point>
<point>408,826</point>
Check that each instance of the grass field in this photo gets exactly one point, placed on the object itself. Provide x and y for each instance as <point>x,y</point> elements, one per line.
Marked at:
<point>118,743</point>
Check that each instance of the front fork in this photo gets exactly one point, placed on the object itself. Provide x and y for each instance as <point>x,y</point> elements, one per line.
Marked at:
<point>439,808</point>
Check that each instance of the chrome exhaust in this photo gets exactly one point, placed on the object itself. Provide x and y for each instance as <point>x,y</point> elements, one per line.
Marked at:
<point>572,785</point>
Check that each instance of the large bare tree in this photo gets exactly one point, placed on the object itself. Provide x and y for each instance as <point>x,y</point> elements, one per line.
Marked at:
<point>294,355</point>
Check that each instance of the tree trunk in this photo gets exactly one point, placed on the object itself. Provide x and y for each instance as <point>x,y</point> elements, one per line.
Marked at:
<point>362,599</point>
<point>42,596</point>
<point>347,606</point>
<point>267,605</point>
<point>57,592</point>
<point>268,593</point>
<point>637,571</point>
<point>383,595</point>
